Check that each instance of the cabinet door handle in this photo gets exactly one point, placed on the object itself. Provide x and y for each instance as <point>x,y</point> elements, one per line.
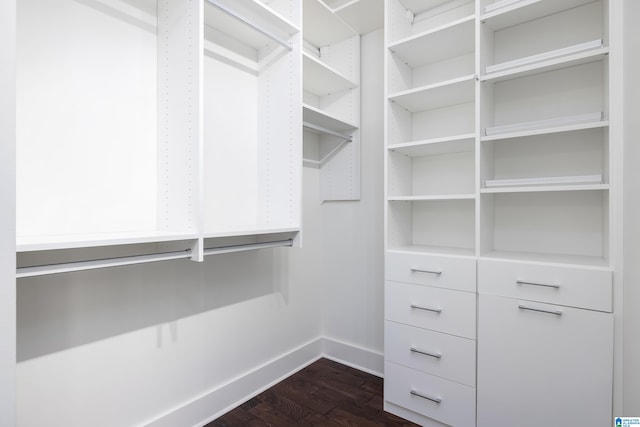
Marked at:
<point>418,270</point>
<point>426,353</point>
<point>540,310</point>
<point>544,285</point>
<point>424,396</point>
<point>432,309</point>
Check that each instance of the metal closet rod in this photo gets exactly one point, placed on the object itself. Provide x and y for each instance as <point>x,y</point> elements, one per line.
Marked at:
<point>221,6</point>
<point>67,267</point>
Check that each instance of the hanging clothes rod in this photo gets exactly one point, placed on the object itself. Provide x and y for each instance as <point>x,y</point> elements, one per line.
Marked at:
<point>221,6</point>
<point>247,247</point>
<point>311,126</point>
<point>67,267</point>
<point>42,270</point>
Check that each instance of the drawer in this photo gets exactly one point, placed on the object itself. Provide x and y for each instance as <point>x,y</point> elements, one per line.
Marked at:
<point>442,400</point>
<point>444,355</point>
<point>439,271</point>
<point>442,310</point>
<point>574,287</point>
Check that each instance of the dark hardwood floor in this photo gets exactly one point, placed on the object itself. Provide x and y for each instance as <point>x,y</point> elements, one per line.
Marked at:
<point>324,393</point>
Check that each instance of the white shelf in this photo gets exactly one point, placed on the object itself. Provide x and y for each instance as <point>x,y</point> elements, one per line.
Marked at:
<point>448,41</point>
<point>551,64</point>
<point>526,10</point>
<point>318,117</point>
<point>54,242</point>
<point>363,16</point>
<point>434,250</point>
<point>432,198</point>
<point>545,188</point>
<point>252,21</point>
<point>541,125</point>
<point>248,231</point>
<point>547,130</point>
<point>321,25</point>
<point>431,147</point>
<point>320,79</point>
<point>450,92</point>
<point>544,181</point>
<point>597,263</point>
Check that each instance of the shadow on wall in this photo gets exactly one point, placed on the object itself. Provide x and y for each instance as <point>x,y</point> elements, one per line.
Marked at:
<point>63,311</point>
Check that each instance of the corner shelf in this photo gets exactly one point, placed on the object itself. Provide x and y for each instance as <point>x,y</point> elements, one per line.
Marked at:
<point>451,92</point>
<point>331,101</point>
<point>363,16</point>
<point>435,45</point>
<point>321,79</point>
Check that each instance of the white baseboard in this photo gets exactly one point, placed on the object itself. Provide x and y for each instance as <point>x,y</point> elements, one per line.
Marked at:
<point>217,402</point>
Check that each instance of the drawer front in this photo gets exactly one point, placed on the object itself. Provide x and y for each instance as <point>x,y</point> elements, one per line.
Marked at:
<point>444,355</point>
<point>575,287</point>
<point>439,271</point>
<point>442,400</point>
<point>558,359</point>
<point>441,310</point>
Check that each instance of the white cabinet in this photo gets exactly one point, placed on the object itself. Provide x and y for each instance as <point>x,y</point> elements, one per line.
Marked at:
<point>500,155</point>
<point>541,364</point>
<point>153,122</point>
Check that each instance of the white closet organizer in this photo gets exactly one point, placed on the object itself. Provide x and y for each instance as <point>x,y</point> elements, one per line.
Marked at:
<point>251,114</point>
<point>430,290</point>
<point>157,122</point>
<point>499,164</point>
<point>331,101</point>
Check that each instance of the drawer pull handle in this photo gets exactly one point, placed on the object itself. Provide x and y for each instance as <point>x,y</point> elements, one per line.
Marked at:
<point>418,270</point>
<point>544,285</point>
<point>424,396</point>
<point>432,309</point>
<point>540,310</point>
<point>426,353</point>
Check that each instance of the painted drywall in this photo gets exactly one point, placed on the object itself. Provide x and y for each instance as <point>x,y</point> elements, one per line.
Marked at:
<point>7,214</point>
<point>631,325</point>
<point>124,346</point>
<point>353,254</point>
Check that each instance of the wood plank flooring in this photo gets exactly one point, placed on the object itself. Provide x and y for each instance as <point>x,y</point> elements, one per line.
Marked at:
<point>324,393</point>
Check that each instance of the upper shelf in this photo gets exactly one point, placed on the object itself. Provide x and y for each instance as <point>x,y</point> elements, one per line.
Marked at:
<point>54,242</point>
<point>448,41</point>
<point>451,92</point>
<point>320,79</point>
<point>321,26</point>
<point>250,22</point>
<point>515,12</point>
<point>419,6</point>
<point>363,16</point>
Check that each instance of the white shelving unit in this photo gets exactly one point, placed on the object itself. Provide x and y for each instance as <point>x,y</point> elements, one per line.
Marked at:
<point>182,126</point>
<point>498,155</point>
<point>331,109</point>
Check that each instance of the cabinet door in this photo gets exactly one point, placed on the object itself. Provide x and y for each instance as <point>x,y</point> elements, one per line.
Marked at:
<point>543,365</point>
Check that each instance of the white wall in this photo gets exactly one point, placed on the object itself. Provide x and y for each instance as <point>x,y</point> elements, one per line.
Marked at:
<point>125,346</point>
<point>7,214</point>
<point>353,231</point>
<point>631,369</point>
